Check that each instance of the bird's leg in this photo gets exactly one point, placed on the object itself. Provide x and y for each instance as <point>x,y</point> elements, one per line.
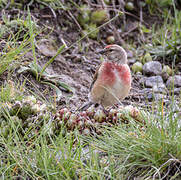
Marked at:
<point>106,112</point>
<point>85,106</point>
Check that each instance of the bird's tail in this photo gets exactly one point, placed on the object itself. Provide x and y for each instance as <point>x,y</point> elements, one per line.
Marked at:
<point>85,106</point>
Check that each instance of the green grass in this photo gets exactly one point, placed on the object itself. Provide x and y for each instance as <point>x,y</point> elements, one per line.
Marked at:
<point>40,151</point>
<point>144,151</point>
<point>166,39</point>
<point>128,150</point>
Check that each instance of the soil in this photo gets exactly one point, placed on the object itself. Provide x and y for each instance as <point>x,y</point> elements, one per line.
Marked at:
<point>76,65</point>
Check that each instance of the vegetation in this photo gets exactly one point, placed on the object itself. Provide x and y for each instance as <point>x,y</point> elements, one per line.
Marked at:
<point>31,147</point>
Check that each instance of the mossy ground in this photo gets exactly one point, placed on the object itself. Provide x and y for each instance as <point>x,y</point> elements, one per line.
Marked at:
<point>30,148</point>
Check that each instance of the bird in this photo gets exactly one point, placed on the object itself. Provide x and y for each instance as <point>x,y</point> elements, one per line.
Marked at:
<point>112,79</point>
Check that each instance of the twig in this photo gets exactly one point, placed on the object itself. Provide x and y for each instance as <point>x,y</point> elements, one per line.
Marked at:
<point>53,12</point>
<point>130,14</point>
<point>63,42</point>
<point>130,30</point>
<point>74,20</point>
<point>141,20</point>
<point>91,32</point>
<point>7,5</point>
<point>170,160</point>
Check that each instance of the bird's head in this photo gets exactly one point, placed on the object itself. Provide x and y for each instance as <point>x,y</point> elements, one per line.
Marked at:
<point>115,53</point>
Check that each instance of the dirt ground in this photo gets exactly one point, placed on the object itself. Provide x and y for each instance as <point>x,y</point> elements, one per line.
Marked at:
<point>76,66</point>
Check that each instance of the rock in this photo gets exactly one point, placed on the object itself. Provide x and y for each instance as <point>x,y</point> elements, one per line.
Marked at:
<point>152,68</point>
<point>137,67</point>
<point>47,47</point>
<point>177,91</point>
<point>110,39</point>
<point>129,6</point>
<point>165,76</point>
<point>179,66</point>
<point>154,81</point>
<point>174,80</point>
<point>142,80</point>
<point>159,89</point>
<point>130,54</point>
<point>167,70</point>
<point>150,95</point>
<point>131,61</point>
<point>159,97</point>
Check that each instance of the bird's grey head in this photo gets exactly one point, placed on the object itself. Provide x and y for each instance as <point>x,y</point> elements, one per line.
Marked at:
<point>115,53</point>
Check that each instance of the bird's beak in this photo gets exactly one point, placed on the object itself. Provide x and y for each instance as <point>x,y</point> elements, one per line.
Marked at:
<point>102,51</point>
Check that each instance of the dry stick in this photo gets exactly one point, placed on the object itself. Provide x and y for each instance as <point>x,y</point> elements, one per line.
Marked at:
<point>53,12</point>
<point>130,30</point>
<point>91,32</point>
<point>141,20</point>
<point>128,13</point>
<point>74,20</point>
<point>121,6</point>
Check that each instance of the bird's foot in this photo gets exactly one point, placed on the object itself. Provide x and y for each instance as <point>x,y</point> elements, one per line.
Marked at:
<point>85,106</point>
<point>106,112</point>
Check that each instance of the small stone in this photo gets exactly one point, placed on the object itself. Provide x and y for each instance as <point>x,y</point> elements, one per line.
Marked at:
<point>31,98</point>
<point>66,116</point>
<point>90,111</point>
<point>110,40</point>
<point>80,124</point>
<point>112,113</point>
<point>62,112</point>
<point>177,91</point>
<point>43,107</point>
<point>174,81</point>
<point>131,61</point>
<point>71,122</point>
<point>159,89</point>
<point>128,108</point>
<point>137,67</point>
<point>154,81</point>
<point>89,123</point>
<point>86,131</point>
<point>152,68</point>
<point>165,76</point>
<point>99,116</point>
<point>167,70</point>
<point>129,6</point>
<point>130,54</point>
<point>158,97</point>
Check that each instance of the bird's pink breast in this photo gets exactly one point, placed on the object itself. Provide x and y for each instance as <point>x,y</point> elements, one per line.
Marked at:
<point>109,71</point>
<point>124,73</point>
<point>107,74</point>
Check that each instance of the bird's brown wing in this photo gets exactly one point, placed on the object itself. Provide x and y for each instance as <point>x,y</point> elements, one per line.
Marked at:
<point>95,77</point>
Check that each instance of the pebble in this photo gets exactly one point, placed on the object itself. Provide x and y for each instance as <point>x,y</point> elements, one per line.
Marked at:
<point>158,97</point>
<point>174,79</point>
<point>154,81</point>
<point>152,68</point>
<point>177,91</point>
<point>159,89</point>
